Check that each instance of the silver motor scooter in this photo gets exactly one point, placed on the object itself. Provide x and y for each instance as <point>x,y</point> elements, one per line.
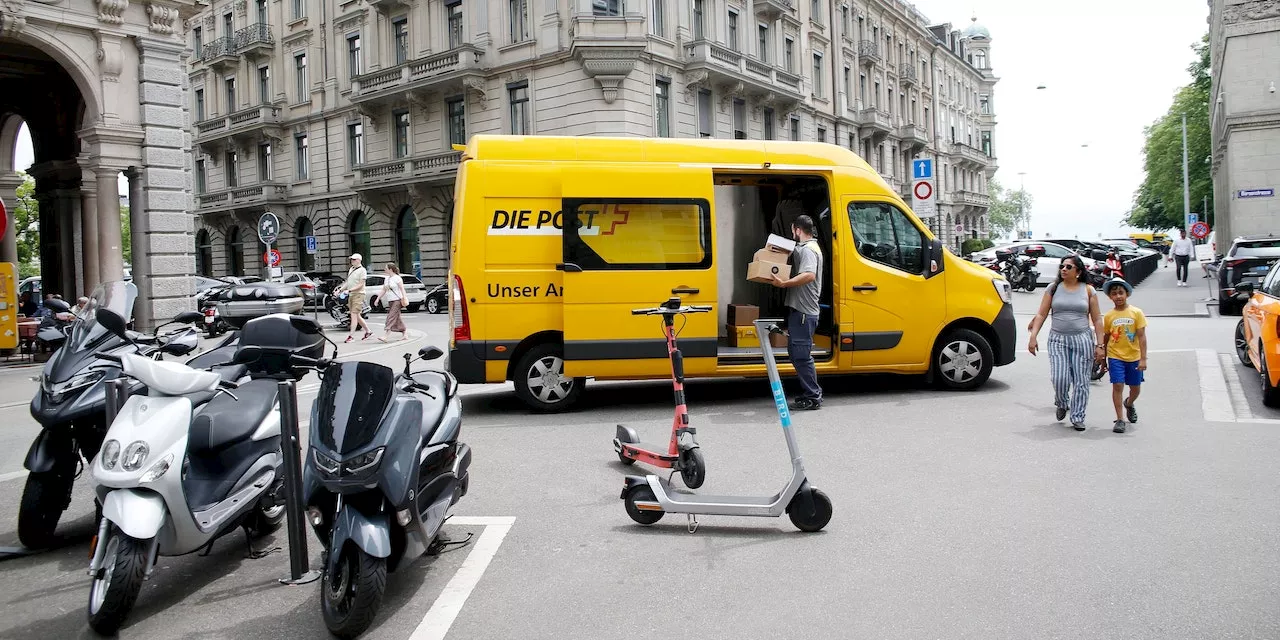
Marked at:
<point>647,498</point>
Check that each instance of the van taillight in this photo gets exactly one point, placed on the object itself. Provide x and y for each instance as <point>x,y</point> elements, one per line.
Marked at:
<point>458,303</point>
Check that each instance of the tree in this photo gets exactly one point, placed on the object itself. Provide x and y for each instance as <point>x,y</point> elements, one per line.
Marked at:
<point>1158,201</point>
<point>1008,209</point>
<point>126,236</point>
<point>26,218</point>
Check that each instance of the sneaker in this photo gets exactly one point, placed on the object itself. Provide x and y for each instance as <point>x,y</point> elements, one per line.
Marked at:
<point>1119,428</point>
<point>801,404</point>
<point>1132,412</point>
<point>1079,426</point>
<point>1060,413</point>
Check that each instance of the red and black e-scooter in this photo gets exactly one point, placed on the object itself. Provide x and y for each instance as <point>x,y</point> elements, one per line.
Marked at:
<point>682,452</point>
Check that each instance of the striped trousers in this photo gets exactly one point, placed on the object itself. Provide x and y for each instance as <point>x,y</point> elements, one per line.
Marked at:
<point>1070,363</point>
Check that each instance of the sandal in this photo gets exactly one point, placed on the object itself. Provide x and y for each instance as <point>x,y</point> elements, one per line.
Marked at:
<point>382,339</point>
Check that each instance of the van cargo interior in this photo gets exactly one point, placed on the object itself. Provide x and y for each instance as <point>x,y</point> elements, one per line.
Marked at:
<point>746,212</point>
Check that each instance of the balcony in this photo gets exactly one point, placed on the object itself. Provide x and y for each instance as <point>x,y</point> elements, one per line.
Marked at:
<point>436,168</point>
<point>974,157</point>
<point>740,75</point>
<point>874,123</point>
<point>255,40</point>
<point>219,52</point>
<point>869,52</point>
<point>914,136</point>
<point>971,199</point>
<point>908,77</point>
<point>262,121</point>
<point>244,198</point>
<point>770,10</point>
<point>456,68</point>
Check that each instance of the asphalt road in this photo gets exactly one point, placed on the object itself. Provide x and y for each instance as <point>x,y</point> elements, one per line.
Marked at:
<point>957,515</point>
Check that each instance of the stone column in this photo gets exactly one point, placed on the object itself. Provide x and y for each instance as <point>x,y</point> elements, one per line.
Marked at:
<point>68,208</point>
<point>140,240</point>
<point>110,251</point>
<point>89,232</point>
<point>9,194</point>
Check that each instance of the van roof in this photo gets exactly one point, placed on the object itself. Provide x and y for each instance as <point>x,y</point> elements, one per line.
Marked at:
<point>716,152</point>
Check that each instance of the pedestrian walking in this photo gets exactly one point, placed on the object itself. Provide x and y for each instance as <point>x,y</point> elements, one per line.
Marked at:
<point>392,297</point>
<point>354,286</point>
<point>1126,341</point>
<point>803,289</point>
<point>1183,249</point>
<point>1075,339</point>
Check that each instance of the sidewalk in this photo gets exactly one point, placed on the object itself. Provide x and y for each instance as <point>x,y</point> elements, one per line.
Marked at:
<point>1160,296</point>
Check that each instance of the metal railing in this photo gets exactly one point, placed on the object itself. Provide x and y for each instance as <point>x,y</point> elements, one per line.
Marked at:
<point>224,46</point>
<point>259,33</point>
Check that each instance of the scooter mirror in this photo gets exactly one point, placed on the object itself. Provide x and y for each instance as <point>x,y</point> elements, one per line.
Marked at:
<point>189,317</point>
<point>430,353</point>
<point>247,355</point>
<point>111,322</point>
<point>304,324</point>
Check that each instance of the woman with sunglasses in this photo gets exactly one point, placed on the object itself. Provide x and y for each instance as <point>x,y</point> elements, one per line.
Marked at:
<point>1075,340</point>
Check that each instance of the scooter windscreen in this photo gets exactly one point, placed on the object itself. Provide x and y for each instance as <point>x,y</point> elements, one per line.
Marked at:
<point>353,397</point>
<point>87,336</point>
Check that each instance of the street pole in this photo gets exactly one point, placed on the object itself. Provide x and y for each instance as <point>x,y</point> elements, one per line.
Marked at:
<point>1186,184</point>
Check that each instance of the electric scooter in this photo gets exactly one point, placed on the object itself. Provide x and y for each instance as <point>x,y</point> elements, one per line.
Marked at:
<point>647,498</point>
<point>682,452</point>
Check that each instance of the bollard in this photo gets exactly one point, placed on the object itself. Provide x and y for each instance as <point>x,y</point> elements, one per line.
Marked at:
<point>290,444</point>
<point>117,394</point>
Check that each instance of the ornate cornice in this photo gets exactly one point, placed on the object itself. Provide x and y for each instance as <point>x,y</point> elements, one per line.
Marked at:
<point>11,19</point>
<point>609,66</point>
<point>1255,10</point>
<point>162,17</point>
<point>112,11</point>
<point>353,19</point>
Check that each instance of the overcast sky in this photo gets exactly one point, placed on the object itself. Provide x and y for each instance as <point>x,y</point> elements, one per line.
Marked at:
<point>1110,67</point>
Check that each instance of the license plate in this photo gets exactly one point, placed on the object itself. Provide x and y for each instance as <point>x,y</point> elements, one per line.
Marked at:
<point>208,319</point>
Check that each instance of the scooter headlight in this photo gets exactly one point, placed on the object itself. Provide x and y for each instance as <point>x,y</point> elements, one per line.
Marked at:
<point>325,463</point>
<point>158,469</point>
<point>363,462</point>
<point>134,455</point>
<point>110,454</point>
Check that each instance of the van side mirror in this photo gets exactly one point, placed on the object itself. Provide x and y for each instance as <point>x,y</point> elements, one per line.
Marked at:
<point>936,262</point>
<point>111,322</point>
<point>430,353</point>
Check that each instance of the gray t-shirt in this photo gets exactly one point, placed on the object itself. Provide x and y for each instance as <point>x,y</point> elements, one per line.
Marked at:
<point>1070,311</point>
<point>804,298</point>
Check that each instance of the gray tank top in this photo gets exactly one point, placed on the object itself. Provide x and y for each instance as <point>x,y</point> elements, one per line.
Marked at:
<point>1070,310</point>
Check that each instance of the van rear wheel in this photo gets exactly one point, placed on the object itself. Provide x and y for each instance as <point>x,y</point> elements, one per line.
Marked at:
<point>540,380</point>
<point>963,360</point>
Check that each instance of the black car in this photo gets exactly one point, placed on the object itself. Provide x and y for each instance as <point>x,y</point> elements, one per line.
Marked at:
<point>1248,260</point>
<point>437,299</point>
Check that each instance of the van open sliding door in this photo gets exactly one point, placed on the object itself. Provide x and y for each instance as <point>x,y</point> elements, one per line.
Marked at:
<point>634,236</point>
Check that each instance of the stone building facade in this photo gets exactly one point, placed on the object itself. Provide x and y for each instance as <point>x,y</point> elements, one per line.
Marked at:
<point>340,116</point>
<point>101,89</point>
<point>1244,38</point>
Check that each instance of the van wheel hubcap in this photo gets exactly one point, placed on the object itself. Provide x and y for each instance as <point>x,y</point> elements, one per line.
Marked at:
<point>960,361</point>
<point>547,381</point>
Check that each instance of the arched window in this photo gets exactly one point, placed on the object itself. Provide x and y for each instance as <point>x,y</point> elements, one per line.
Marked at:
<point>301,229</point>
<point>407,242</point>
<point>235,258</point>
<point>358,235</point>
<point>204,253</point>
<point>981,60</point>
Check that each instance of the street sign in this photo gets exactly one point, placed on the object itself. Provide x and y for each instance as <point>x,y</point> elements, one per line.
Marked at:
<point>268,228</point>
<point>1199,231</point>
<point>923,200</point>
<point>272,258</point>
<point>922,169</point>
<point>1255,193</point>
<point>8,305</point>
<point>311,244</point>
<point>1192,218</point>
<point>959,228</point>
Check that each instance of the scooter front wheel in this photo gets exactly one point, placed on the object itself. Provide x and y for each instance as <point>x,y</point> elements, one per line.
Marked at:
<point>693,468</point>
<point>647,514</point>
<point>350,599</point>
<point>118,581</point>
<point>805,518</point>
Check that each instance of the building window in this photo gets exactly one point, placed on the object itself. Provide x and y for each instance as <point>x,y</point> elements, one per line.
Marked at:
<point>228,25</point>
<point>204,254</point>
<point>358,236</point>
<point>662,106</point>
<point>519,24</point>
<point>264,85</point>
<point>928,125</point>
<point>862,88</point>
<point>876,97</point>
<point>852,142</point>
<point>401,133</point>
<point>353,55</point>
<point>400,39</point>
<point>235,258</point>
<point>200,176</point>
<point>453,11</point>
<point>300,156</point>
<point>822,134</point>
<point>300,76</point>
<point>233,169</point>
<point>301,229</point>
<point>795,129</point>
<point>606,8</point>
<point>355,144</point>
<point>788,54</point>
<point>980,60</point>
<point>197,42</point>
<point>762,42</point>
<point>407,256</point>
<point>816,11</point>
<point>299,9</point>
<point>984,105</point>
<point>260,10</point>
<point>199,105</point>
<point>768,124</point>
<point>848,86</point>
<point>264,162</point>
<point>230,84</point>
<point>699,20</point>
<point>817,74</point>
<point>986,143</point>
<point>456,112</point>
<point>733,30</point>
<point>660,18</point>
<point>518,96</point>
<point>704,113</point>
<point>739,120</point>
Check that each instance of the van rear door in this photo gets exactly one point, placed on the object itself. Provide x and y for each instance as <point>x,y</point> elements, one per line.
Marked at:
<point>634,236</point>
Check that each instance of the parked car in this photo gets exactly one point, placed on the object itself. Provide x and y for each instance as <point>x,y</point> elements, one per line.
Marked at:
<point>415,292</point>
<point>1047,265</point>
<point>1257,338</point>
<point>310,290</point>
<point>1248,260</point>
<point>438,299</point>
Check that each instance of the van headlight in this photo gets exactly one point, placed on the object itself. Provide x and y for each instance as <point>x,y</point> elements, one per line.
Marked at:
<point>1003,288</point>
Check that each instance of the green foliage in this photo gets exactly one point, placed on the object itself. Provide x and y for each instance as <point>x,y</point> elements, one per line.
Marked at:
<point>26,216</point>
<point>1158,201</point>
<point>1008,208</point>
<point>973,245</point>
<point>126,236</point>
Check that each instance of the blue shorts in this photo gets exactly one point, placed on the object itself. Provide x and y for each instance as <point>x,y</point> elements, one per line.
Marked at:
<point>1123,372</point>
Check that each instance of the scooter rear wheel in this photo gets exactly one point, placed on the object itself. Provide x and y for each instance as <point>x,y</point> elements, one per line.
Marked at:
<point>642,493</point>
<point>693,469</point>
<point>803,518</point>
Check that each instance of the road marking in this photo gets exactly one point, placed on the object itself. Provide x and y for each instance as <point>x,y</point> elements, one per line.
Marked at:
<point>1238,400</point>
<point>5,477</point>
<point>1215,400</point>
<point>436,623</point>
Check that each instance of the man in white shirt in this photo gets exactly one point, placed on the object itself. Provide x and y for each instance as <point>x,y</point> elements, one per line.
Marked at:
<point>1182,250</point>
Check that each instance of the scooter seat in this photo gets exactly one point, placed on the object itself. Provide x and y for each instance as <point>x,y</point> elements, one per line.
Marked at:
<point>230,373</point>
<point>225,421</point>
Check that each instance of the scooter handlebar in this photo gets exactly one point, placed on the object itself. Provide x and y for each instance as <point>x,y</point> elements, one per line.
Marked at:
<point>303,361</point>
<point>653,311</point>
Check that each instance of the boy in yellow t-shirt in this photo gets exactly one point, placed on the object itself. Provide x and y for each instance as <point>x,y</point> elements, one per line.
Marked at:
<point>1126,344</point>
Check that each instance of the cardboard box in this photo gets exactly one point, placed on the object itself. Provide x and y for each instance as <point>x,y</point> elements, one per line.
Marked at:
<point>771,256</point>
<point>763,271</point>
<point>779,243</point>
<point>742,336</point>
<point>778,340</point>
<point>742,315</point>
<point>771,259</point>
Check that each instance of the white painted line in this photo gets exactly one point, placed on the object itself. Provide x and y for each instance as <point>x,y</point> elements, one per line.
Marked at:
<point>1238,400</point>
<point>436,623</point>
<point>1259,420</point>
<point>5,477</point>
<point>1215,400</point>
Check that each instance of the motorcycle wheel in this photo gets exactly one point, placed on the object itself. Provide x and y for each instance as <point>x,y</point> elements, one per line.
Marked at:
<point>338,313</point>
<point>267,516</point>
<point>350,600</point>
<point>44,498</point>
<point>116,585</point>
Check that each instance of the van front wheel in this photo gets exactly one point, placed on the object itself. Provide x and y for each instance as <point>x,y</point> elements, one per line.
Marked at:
<point>963,360</point>
<point>540,380</point>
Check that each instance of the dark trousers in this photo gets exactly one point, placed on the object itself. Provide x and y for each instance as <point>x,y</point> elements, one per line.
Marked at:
<point>1181,262</point>
<point>801,326</point>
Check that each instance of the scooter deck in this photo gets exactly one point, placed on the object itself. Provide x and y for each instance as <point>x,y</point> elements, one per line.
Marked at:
<point>652,449</point>
<point>765,507</point>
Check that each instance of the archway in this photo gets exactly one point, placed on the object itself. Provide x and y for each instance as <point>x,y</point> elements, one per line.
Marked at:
<point>204,253</point>
<point>358,236</point>
<point>408,256</point>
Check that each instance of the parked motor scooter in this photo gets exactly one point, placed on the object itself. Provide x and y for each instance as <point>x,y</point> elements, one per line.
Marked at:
<point>383,467</point>
<point>196,458</point>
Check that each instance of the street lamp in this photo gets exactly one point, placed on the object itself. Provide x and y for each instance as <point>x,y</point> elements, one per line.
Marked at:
<point>1022,198</point>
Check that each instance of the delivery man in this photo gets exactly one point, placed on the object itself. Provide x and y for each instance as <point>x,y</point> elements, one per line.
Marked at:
<point>803,288</point>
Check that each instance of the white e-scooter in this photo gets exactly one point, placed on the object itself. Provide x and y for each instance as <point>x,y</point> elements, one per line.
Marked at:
<point>647,498</point>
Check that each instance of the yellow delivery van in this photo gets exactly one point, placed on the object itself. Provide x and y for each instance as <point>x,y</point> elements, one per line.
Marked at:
<point>556,239</point>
